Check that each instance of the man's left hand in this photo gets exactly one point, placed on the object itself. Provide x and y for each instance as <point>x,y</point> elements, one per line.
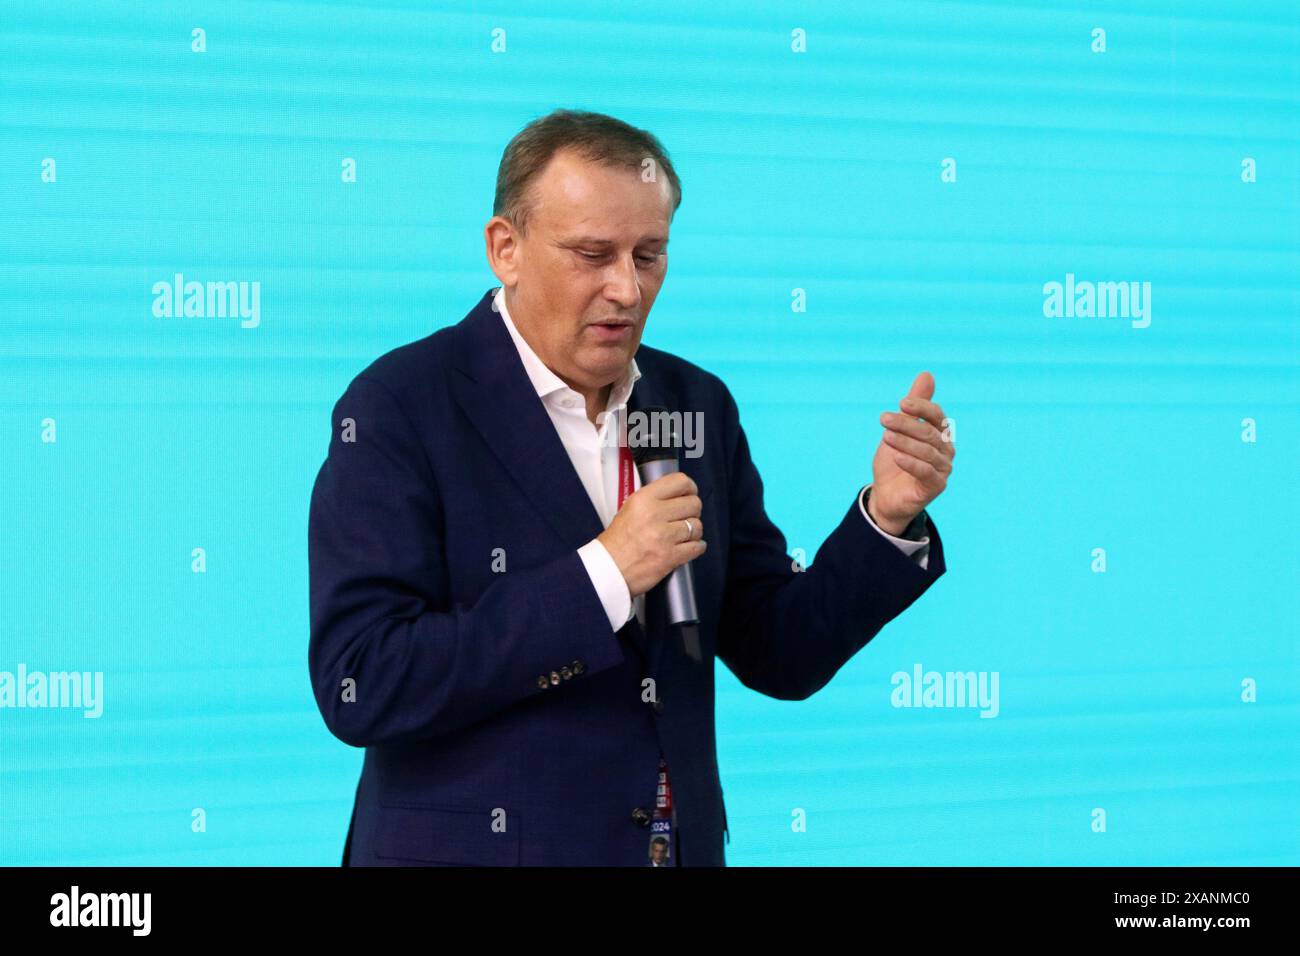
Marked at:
<point>914,459</point>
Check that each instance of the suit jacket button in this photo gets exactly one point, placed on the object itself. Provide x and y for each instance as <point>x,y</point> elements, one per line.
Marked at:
<point>565,672</point>
<point>555,678</point>
<point>542,682</point>
<point>641,817</point>
<point>658,706</point>
<point>579,667</point>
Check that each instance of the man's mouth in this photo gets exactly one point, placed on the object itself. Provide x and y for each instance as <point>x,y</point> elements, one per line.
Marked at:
<point>613,330</point>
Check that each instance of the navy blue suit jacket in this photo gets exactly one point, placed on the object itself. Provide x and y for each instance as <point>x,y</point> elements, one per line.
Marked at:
<point>503,721</point>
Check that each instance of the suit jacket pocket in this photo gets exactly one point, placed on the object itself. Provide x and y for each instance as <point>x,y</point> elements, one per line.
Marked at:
<point>446,835</point>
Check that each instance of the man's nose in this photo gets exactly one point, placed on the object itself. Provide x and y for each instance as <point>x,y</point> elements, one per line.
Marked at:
<point>622,285</point>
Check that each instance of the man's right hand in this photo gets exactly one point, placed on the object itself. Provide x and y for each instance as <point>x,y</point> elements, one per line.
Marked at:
<point>648,539</point>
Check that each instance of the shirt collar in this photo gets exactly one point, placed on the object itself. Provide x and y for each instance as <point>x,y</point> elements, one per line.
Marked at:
<point>546,382</point>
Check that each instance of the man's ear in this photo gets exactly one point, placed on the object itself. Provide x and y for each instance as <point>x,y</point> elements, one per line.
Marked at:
<point>502,246</point>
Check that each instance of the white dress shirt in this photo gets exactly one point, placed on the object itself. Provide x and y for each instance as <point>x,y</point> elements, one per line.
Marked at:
<point>595,458</point>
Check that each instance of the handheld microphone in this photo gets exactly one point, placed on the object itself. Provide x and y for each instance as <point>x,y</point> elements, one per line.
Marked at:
<point>654,460</point>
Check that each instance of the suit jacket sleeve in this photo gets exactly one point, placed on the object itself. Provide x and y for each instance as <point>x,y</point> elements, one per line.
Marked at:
<point>381,614</point>
<point>785,633</point>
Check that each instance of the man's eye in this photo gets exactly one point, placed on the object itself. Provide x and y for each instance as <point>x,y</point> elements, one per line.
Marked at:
<point>594,256</point>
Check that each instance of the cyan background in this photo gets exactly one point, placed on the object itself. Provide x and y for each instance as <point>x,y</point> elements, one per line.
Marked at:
<point>818,171</point>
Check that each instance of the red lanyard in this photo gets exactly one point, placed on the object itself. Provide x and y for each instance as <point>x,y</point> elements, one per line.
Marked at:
<point>661,824</point>
<point>625,479</point>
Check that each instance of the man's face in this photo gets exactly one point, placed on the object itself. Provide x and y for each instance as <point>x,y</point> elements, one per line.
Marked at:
<point>658,852</point>
<point>596,252</point>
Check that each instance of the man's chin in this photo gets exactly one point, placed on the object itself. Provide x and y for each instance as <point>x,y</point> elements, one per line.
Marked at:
<point>606,363</point>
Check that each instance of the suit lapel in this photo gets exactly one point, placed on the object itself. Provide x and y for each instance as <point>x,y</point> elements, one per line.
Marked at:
<point>494,390</point>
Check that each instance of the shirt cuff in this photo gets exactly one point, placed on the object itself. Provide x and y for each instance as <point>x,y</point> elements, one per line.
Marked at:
<point>918,550</point>
<point>608,581</point>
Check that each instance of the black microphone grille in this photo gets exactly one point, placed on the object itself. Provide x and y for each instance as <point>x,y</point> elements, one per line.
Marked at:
<point>653,433</point>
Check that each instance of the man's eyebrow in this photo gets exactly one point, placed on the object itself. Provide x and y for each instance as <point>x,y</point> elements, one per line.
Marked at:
<point>597,241</point>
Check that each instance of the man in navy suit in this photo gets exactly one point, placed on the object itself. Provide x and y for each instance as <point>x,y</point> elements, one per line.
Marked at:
<point>486,619</point>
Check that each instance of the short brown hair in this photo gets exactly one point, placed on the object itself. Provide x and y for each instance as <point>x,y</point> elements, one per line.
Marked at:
<point>595,136</point>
